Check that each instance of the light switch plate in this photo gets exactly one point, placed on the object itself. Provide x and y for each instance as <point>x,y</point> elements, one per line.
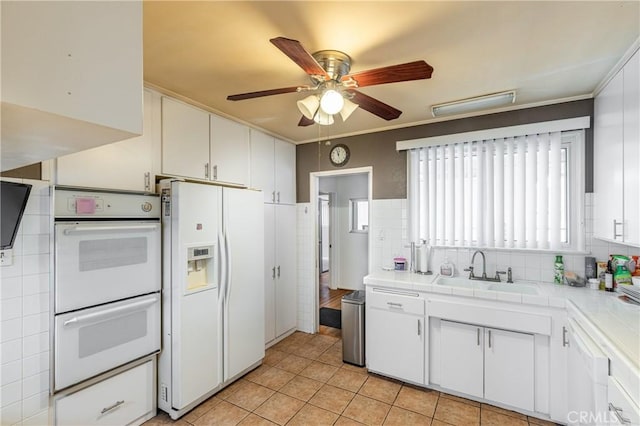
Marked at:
<point>6,257</point>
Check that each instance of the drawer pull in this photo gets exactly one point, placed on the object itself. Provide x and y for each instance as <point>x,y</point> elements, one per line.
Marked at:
<point>112,407</point>
<point>618,413</point>
<point>419,328</point>
<point>478,336</point>
<point>489,339</point>
<point>394,304</point>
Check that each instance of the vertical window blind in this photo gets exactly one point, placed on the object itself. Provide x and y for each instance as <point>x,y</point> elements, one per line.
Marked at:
<point>505,193</point>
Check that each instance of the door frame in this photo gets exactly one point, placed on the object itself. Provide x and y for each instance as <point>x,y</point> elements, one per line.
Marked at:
<point>314,192</point>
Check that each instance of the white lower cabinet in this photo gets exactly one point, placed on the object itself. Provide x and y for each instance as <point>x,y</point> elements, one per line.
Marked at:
<point>395,335</point>
<point>124,399</point>
<point>489,363</point>
<point>622,407</point>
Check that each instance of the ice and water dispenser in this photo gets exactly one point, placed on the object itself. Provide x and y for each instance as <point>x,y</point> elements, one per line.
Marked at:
<point>200,267</point>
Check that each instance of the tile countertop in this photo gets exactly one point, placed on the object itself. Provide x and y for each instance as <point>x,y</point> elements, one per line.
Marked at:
<point>617,320</point>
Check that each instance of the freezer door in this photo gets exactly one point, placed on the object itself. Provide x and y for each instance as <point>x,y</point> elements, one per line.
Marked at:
<point>243,224</point>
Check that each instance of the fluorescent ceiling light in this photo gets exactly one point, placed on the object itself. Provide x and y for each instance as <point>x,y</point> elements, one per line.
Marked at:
<point>473,104</point>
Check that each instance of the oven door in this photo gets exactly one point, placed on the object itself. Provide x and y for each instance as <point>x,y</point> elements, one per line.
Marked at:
<point>95,340</point>
<point>100,262</point>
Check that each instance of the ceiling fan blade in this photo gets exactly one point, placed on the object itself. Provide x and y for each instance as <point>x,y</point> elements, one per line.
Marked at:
<point>374,106</point>
<point>417,70</point>
<point>304,121</point>
<point>261,93</point>
<point>294,50</point>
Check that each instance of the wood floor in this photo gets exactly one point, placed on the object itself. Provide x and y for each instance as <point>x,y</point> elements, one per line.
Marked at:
<point>330,299</point>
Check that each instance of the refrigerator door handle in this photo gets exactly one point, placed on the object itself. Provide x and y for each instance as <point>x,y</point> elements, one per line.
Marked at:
<point>222,270</point>
<point>228,268</point>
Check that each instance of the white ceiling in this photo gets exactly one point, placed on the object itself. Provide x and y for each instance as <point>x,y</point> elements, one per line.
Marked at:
<point>546,50</point>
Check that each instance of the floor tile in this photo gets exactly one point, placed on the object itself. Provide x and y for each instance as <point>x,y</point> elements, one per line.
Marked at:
<point>459,399</point>
<point>332,398</point>
<point>494,418</point>
<point>257,372</point>
<point>319,371</point>
<point>201,409</point>
<point>355,368</point>
<point>279,408</point>
<point>348,380</point>
<point>250,396</point>
<point>222,414</point>
<point>536,421</point>
<point>422,401</point>
<point>273,356</point>
<point>367,410</point>
<point>301,388</point>
<point>313,416</point>
<point>503,411</point>
<point>322,341</point>
<point>273,378</point>
<point>226,392</point>
<point>382,389</point>
<point>332,356</point>
<point>456,412</point>
<point>309,351</point>
<point>436,422</point>
<point>253,420</point>
<point>401,417</point>
<point>294,363</point>
<point>163,419</point>
<point>346,421</point>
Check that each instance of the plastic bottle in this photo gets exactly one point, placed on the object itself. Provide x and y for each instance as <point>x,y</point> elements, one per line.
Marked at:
<point>558,270</point>
<point>446,269</point>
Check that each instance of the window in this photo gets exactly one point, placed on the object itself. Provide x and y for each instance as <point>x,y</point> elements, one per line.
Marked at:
<point>359,213</point>
<point>515,192</point>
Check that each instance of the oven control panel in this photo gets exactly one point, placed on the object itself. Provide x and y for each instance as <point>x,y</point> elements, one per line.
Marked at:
<point>73,203</point>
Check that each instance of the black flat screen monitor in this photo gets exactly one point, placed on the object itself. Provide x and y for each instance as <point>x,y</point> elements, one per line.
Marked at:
<point>13,200</point>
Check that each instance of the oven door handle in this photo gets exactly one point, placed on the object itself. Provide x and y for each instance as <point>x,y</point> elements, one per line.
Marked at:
<point>110,312</point>
<point>81,229</point>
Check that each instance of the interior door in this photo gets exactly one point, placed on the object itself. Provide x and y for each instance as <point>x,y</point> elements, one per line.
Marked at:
<point>462,357</point>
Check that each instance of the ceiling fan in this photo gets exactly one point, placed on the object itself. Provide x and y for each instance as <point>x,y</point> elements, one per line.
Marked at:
<point>334,88</point>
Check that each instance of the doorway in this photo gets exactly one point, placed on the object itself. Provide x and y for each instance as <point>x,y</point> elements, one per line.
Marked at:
<point>342,251</point>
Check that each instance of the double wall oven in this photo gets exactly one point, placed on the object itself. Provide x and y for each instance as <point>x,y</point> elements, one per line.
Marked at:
<point>106,299</point>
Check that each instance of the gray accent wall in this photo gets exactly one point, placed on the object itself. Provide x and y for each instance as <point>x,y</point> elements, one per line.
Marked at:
<point>378,150</point>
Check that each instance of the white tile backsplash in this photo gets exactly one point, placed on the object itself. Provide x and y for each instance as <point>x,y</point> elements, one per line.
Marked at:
<point>24,295</point>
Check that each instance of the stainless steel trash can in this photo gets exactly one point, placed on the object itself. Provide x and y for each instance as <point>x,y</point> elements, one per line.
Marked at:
<point>353,328</point>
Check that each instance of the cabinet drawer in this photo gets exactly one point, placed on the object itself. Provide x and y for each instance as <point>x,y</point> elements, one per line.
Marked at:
<point>397,301</point>
<point>121,399</point>
<point>621,406</point>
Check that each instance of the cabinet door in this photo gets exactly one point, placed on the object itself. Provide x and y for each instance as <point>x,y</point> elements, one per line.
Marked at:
<point>631,157</point>
<point>285,167</point>
<point>262,167</point>
<point>185,140</point>
<point>123,165</point>
<point>286,298</point>
<point>229,151</point>
<point>395,344</point>
<point>608,154</point>
<point>269,273</point>
<point>461,357</point>
<point>509,368</point>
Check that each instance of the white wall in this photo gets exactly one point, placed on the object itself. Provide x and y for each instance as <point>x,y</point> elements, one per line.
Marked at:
<point>350,249</point>
<point>24,314</point>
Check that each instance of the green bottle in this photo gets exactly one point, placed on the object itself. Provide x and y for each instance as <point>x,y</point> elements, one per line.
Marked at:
<point>558,270</point>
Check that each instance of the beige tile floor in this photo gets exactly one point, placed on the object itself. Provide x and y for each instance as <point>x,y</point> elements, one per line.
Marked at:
<point>303,381</point>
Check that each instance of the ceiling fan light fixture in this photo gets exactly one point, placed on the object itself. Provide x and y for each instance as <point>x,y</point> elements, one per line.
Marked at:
<point>331,101</point>
<point>493,100</point>
<point>309,106</point>
<point>323,118</point>
<point>348,109</point>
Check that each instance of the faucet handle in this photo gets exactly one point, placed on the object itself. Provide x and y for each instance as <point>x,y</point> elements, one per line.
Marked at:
<point>498,273</point>
<point>470,271</point>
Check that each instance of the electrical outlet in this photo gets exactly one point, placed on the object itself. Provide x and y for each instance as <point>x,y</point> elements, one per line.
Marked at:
<point>6,257</point>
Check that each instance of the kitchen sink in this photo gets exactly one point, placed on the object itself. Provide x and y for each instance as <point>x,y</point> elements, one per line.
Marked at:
<point>486,285</point>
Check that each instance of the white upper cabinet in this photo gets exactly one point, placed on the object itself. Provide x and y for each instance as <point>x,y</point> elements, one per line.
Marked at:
<point>273,168</point>
<point>229,151</point>
<point>185,140</point>
<point>617,157</point>
<point>71,77</point>
<point>129,165</point>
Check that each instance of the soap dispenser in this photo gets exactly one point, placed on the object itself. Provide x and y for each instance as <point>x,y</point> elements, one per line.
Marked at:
<point>446,269</point>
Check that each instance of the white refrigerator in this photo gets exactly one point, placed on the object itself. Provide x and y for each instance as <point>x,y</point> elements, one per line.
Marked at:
<point>212,291</point>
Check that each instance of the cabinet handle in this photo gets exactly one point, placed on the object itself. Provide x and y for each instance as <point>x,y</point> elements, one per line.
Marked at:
<point>489,331</point>
<point>278,271</point>
<point>273,273</point>
<point>615,229</point>
<point>147,181</point>
<point>478,333</point>
<point>273,196</point>
<point>565,342</point>
<point>278,196</point>
<point>618,413</point>
<point>112,407</point>
<point>215,172</point>
<point>394,304</point>
<point>206,170</point>
<point>419,328</point>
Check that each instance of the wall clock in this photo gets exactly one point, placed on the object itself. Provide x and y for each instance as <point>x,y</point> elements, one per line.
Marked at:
<point>339,155</point>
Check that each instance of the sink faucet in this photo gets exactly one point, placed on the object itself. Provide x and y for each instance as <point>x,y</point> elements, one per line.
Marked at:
<point>483,277</point>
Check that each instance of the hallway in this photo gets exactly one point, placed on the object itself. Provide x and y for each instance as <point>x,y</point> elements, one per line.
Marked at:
<point>329,299</point>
